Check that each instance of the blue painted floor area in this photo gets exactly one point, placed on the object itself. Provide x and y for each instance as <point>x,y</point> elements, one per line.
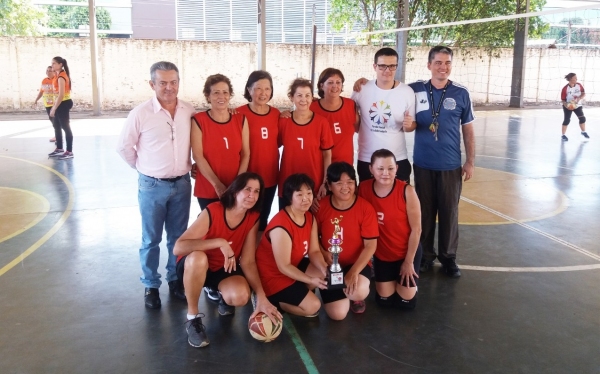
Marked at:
<point>527,301</point>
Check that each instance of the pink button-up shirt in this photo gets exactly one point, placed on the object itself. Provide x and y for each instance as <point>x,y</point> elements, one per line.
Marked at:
<point>156,144</point>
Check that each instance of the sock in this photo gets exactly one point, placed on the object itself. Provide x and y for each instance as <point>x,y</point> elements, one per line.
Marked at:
<point>191,316</point>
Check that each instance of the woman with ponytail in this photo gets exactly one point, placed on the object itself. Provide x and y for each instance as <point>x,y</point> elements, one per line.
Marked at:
<point>59,113</point>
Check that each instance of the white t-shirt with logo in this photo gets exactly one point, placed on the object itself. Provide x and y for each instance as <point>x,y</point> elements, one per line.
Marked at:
<point>381,117</point>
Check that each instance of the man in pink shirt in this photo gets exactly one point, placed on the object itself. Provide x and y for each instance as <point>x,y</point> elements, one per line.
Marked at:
<point>156,142</point>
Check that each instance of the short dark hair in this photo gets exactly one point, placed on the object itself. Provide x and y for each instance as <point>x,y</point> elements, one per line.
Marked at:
<point>238,184</point>
<point>382,153</point>
<point>438,49</point>
<point>336,169</point>
<point>386,51</point>
<point>162,65</point>
<point>294,183</point>
<point>326,74</point>
<point>297,83</point>
<point>214,79</point>
<point>253,78</point>
<point>569,76</point>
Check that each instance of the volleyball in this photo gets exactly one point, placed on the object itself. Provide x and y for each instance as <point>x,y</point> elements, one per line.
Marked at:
<point>571,105</point>
<point>263,329</point>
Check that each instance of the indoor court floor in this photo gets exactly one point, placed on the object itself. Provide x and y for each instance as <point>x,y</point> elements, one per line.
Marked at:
<point>528,300</point>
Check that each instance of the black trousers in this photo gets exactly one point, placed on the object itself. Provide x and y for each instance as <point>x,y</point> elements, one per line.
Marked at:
<point>403,172</point>
<point>266,208</point>
<point>439,194</point>
<point>62,122</point>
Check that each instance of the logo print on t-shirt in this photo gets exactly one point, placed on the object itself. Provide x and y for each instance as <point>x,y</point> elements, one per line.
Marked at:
<point>449,104</point>
<point>380,113</point>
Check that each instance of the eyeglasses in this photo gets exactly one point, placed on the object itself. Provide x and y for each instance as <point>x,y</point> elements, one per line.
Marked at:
<point>383,67</point>
<point>172,134</point>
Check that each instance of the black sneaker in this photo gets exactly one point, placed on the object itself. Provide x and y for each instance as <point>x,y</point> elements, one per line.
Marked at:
<point>564,138</point>
<point>425,266</point>
<point>152,298</point>
<point>197,332</point>
<point>212,294</point>
<point>585,135</point>
<point>176,290</point>
<point>451,269</point>
<point>225,309</point>
<point>56,153</point>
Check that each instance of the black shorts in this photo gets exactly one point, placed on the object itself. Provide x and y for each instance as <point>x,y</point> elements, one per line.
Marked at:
<point>390,271</point>
<point>329,296</point>
<point>293,294</point>
<point>213,278</point>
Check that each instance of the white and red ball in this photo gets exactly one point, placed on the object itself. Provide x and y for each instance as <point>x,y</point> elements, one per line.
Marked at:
<point>263,329</point>
<point>571,106</point>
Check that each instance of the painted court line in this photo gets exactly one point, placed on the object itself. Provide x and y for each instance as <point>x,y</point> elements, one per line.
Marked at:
<point>531,228</point>
<point>306,359</point>
<point>54,228</point>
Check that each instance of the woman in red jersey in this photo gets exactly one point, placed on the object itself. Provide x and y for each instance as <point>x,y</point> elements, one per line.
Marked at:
<point>220,142</point>
<point>288,256</point>
<point>209,251</point>
<point>340,113</point>
<point>263,128</point>
<point>60,111</point>
<point>306,141</point>
<point>358,232</point>
<point>398,254</point>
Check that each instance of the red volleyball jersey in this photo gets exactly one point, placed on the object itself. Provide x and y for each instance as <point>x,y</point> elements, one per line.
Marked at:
<point>271,278</point>
<point>218,228</point>
<point>357,223</point>
<point>302,148</point>
<point>222,147</point>
<point>341,125</point>
<point>264,150</point>
<point>392,217</point>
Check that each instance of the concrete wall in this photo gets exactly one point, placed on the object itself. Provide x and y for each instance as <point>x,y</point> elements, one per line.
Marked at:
<point>124,69</point>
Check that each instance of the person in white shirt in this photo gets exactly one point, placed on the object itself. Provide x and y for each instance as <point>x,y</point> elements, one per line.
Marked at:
<point>386,106</point>
<point>571,96</point>
<point>156,142</point>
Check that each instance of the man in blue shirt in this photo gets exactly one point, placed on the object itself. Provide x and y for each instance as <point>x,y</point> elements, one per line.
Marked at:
<point>443,109</point>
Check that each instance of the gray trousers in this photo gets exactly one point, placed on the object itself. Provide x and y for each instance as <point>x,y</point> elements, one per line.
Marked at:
<point>439,194</point>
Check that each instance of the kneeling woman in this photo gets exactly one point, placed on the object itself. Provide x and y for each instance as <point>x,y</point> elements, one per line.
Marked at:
<point>358,232</point>
<point>209,250</point>
<point>398,254</point>
<point>285,271</point>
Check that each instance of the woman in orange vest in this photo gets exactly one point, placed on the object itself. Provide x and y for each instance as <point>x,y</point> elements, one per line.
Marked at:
<point>46,93</point>
<point>60,110</point>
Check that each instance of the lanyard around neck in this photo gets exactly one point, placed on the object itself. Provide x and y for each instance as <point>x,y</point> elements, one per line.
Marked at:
<point>435,113</point>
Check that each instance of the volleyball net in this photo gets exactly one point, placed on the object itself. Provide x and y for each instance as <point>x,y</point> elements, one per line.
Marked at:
<point>567,40</point>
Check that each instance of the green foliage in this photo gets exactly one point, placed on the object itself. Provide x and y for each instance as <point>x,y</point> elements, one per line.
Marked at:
<point>71,17</point>
<point>19,17</point>
<point>381,14</point>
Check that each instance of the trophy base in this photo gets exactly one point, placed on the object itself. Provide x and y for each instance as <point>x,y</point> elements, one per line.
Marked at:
<point>335,280</point>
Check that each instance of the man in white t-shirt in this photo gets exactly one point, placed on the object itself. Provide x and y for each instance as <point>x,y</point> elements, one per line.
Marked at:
<point>386,106</point>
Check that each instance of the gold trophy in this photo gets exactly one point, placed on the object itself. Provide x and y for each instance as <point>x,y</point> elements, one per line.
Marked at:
<point>335,275</point>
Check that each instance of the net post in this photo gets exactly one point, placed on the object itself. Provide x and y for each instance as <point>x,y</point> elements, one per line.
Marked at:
<point>519,56</point>
<point>401,39</point>
<point>96,99</point>
<point>261,51</point>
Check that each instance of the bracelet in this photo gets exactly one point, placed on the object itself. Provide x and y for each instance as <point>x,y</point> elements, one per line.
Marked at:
<point>232,256</point>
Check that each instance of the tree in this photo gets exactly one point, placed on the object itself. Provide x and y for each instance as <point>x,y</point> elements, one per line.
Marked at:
<point>19,17</point>
<point>373,14</point>
<point>71,17</point>
<point>430,12</point>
